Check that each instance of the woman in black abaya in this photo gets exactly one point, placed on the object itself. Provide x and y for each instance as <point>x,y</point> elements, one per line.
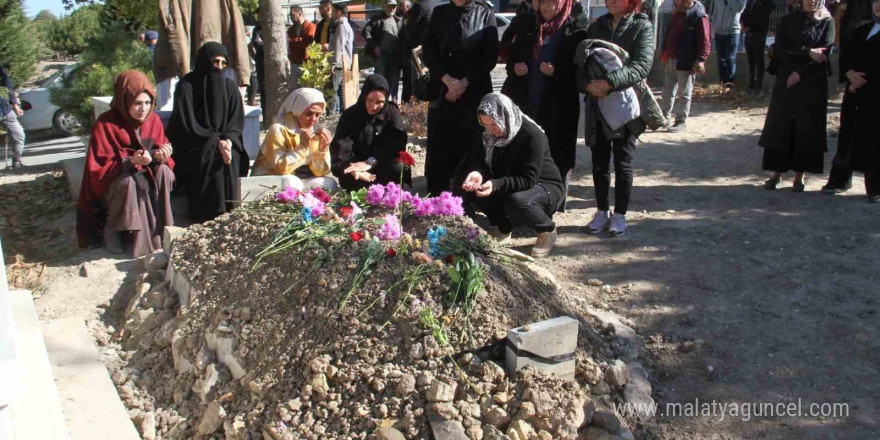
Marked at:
<point>206,126</point>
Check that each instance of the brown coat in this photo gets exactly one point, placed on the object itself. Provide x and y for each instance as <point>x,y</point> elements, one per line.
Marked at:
<point>220,21</point>
<point>188,24</point>
<point>172,51</point>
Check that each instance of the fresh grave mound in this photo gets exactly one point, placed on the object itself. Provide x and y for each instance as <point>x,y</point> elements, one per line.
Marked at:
<point>317,318</point>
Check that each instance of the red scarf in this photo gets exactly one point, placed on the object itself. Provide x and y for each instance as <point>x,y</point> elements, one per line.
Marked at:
<point>546,29</point>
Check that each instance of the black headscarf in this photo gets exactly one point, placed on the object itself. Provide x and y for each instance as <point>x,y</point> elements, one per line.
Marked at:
<point>360,135</point>
<point>207,109</point>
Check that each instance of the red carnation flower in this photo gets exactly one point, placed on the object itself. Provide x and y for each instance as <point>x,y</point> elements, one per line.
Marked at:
<point>356,236</point>
<point>321,195</point>
<point>406,159</point>
<point>391,253</point>
<point>450,259</point>
<point>345,211</point>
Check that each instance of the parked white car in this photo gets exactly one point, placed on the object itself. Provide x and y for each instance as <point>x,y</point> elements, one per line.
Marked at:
<point>40,113</point>
<point>502,20</point>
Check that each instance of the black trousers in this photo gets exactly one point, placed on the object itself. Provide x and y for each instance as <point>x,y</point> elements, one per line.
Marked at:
<point>623,150</point>
<point>533,208</point>
<point>755,43</point>
<point>841,178</point>
<point>406,78</point>
<point>452,131</point>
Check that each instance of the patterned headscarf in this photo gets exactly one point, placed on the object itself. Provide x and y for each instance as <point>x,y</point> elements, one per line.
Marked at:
<point>546,29</point>
<point>507,116</point>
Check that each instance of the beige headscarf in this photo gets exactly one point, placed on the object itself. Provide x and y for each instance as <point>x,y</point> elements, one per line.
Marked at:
<point>296,103</point>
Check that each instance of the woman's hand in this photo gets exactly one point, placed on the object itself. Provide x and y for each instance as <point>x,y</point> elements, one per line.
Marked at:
<point>472,182</point>
<point>225,147</point>
<point>856,79</point>
<point>547,68</point>
<point>141,157</point>
<point>485,189</point>
<point>598,88</point>
<point>818,55</point>
<point>521,69</point>
<point>324,136</point>
<point>357,167</point>
<point>793,79</point>
<point>363,176</point>
<point>163,153</point>
<point>455,87</point>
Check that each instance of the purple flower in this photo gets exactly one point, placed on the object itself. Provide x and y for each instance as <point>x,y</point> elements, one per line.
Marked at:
<point>423,207</point>
<point>390,229</point>
<point>472,233</point>
<point>407,197</point>
<point>289,194</point>
<point>392,195</point>
<point>310,202</point>
<point>447,204</point>
<point>375,194</point>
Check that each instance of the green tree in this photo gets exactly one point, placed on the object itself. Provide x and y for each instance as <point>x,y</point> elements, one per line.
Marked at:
<point>17,42</point>
<point>72,34</point>
<point>43,24</point>
<point>249,11</point>
<point>136,15</point>
<point>117,50</point>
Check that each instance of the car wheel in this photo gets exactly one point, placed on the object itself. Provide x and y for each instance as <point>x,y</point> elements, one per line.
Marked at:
<point>65,123</point>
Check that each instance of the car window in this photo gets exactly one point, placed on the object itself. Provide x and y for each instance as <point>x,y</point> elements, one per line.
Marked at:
<point>48,81</point>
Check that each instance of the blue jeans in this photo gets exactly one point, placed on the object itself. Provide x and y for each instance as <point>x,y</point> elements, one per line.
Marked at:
<point>725,48</point>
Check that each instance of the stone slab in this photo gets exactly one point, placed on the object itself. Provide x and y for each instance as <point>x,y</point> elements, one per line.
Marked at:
<point>35,408</point>
<point>255,187</point>
<point>169,235</point>
<point>631,342</point>
<point>73,170</point>
<point>91,404</point>
<point>547,339</point>
<point>564,370</point>
<point>179,284</point>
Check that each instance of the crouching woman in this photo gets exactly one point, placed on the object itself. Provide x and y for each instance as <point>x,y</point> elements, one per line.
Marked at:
<point>126,187</point>
<point>513,177</point>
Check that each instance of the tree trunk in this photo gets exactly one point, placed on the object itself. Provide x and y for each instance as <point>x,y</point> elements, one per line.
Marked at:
<point>277,67</point>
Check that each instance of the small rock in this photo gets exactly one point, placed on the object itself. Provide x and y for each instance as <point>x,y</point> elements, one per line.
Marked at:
<point>212,420</point>
<point>617,375</point>
<point>544,435</point>
<point>544,403</point>
<point>449,430</point>
<point>295,404</point>
<point>520,430</point>
<point>601,388</point>
<point>156,260</point>
<point>417,351</point>
<point>492,372</point>
<point>388,433</point>
<point>492,433</point>
<point>425,378</point>
<point>606,421</point>
<point>501,398</point>
<point>84,270</point>
<point>319,384</point>
<point>442,392</point>
<point>593,433</point>
<point>595,282</point>
<point>148,426</point>
<point>497,417</point>
<point>407,385</point>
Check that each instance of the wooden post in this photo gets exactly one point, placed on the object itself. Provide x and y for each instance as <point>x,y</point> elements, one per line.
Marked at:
<point>350,79</point>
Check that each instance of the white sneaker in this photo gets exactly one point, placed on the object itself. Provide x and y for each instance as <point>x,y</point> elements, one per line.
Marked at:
<point>618,225</point>
<point>599,223</point>
<point>499,237</point>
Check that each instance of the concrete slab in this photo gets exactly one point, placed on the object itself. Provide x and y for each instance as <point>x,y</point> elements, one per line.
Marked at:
<point>36,409</point>
<point>73,170</point>
<point>91,404</point>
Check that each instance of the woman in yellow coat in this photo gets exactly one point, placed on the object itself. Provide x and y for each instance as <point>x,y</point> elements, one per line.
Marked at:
<point>296,146</point>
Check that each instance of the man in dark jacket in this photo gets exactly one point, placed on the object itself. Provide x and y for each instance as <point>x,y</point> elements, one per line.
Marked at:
<point>383,44</point>
<point>10,114</point>
<point>686,47</point>
<point>755,21</point>
<point>325,26</point>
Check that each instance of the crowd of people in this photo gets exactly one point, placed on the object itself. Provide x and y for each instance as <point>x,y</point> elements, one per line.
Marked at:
<point>509,154</point>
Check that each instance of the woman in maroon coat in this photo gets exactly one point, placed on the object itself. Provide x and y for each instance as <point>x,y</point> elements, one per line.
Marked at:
<point>126,186</point>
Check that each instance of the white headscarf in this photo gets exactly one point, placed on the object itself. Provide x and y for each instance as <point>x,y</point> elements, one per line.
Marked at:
<point>296,103</point>
<point>507,116</point>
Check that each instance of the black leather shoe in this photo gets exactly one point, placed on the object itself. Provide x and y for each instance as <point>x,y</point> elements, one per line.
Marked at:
<point>771,183</point>
<point>798,187</point>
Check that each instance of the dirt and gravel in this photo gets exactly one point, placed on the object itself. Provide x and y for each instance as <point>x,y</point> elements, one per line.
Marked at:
<point>743,295</point>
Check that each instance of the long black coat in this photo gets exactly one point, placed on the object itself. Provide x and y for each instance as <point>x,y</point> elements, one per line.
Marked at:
<point>559,109</point>
<point>797,116</point>
<point>859,143</point>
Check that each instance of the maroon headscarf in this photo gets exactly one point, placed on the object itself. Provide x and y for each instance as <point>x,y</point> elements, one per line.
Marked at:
<point>546,29</point>
<point>127,87</point>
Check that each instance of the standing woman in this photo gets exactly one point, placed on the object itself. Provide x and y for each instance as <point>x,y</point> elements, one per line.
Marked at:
<point>794,131</point>
<point>858,146</point>
<point>634,32</point>
<point>206,125</point>
<point>541,75</point>
<point>126,186</point>
<point>460,49</point>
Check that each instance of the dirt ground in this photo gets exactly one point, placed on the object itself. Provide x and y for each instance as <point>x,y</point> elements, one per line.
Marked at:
<point>745,295</point>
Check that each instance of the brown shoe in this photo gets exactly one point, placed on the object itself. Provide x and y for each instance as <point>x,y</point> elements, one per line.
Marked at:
<point>544,244</point>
